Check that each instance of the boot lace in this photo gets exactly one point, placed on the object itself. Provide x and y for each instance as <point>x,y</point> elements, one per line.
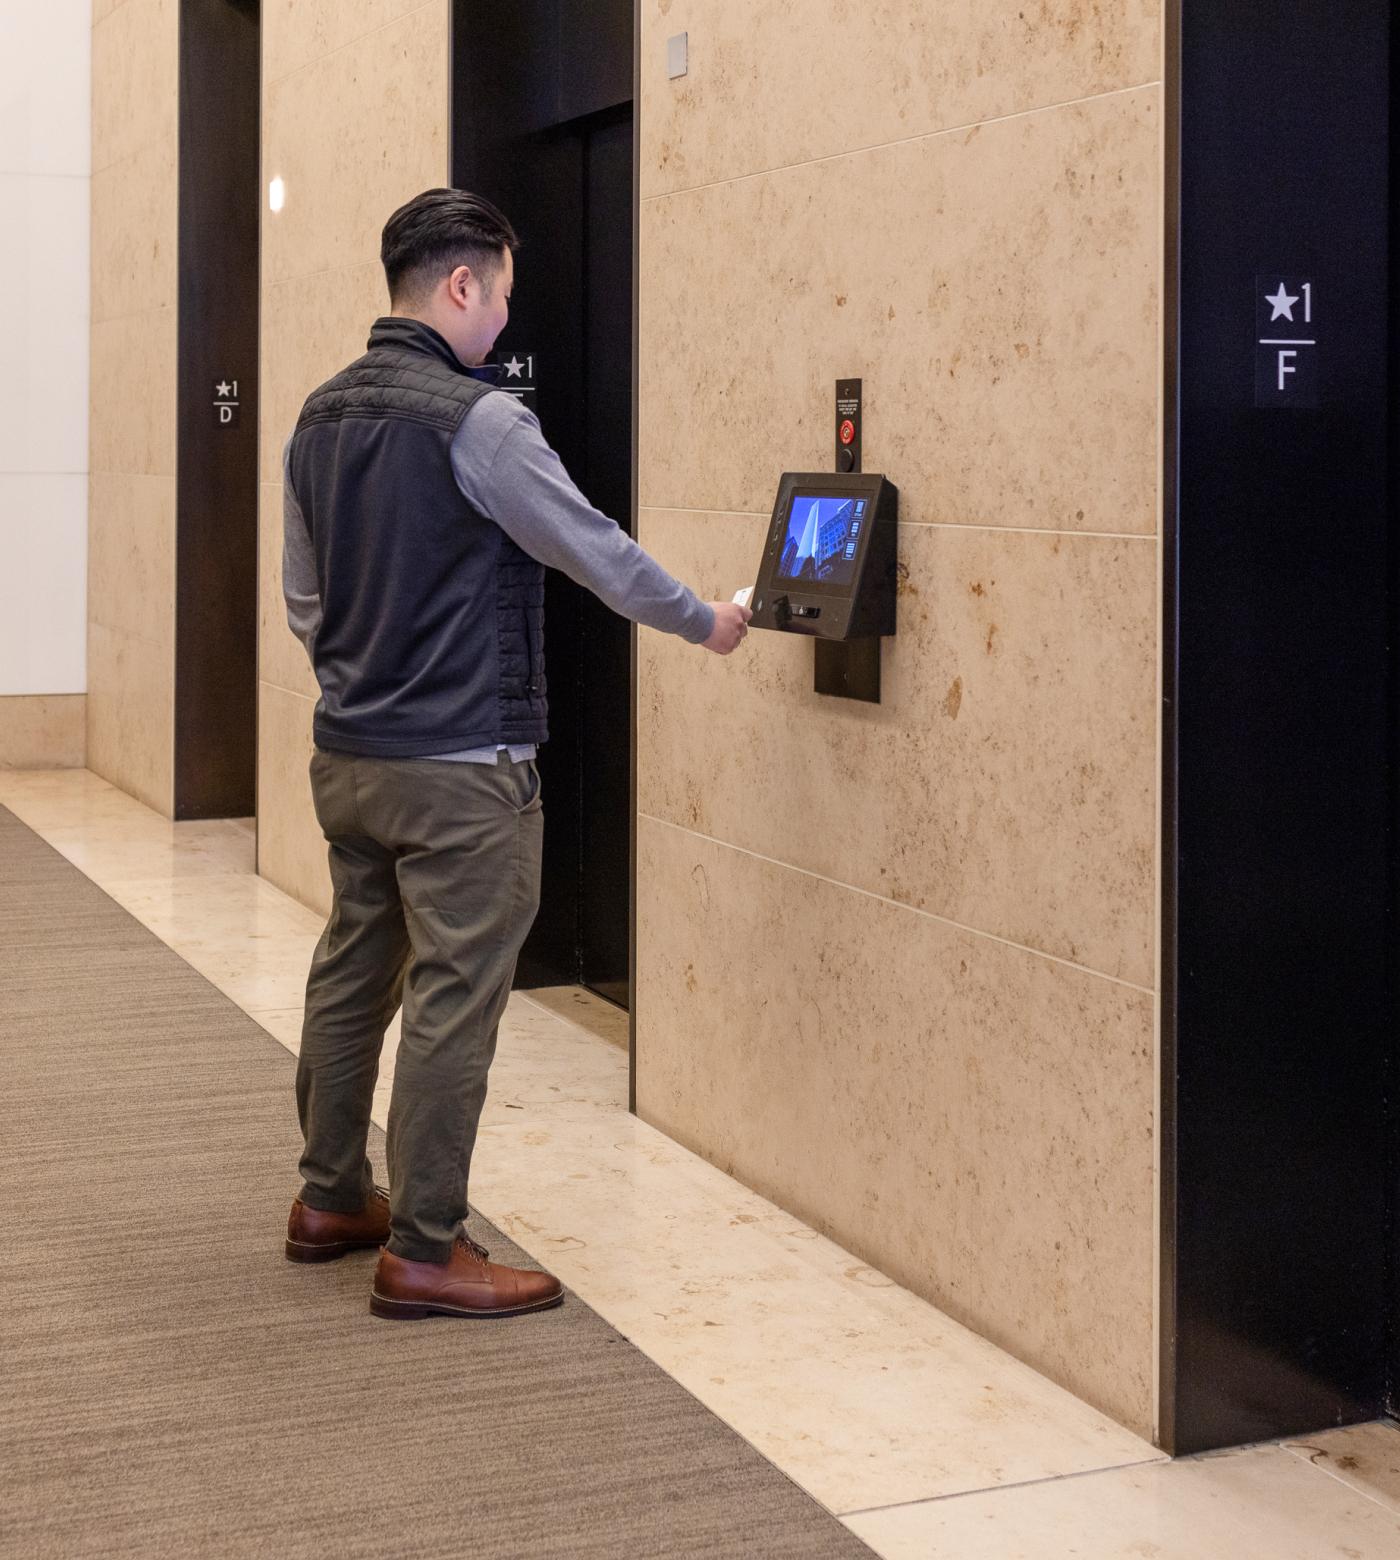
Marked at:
<point>474,1247</point>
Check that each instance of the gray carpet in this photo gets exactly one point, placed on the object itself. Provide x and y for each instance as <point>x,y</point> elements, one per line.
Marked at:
<point>173,1387</point>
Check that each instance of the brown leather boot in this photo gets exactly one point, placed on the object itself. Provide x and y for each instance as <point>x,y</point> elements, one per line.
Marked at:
<point>465,1285</point>
<point>314,1235</point>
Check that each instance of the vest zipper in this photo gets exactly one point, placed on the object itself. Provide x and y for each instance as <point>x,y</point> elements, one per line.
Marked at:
<point>531,684</point>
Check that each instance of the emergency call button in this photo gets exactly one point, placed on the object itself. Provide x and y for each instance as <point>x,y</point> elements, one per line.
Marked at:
<point>846,425</point>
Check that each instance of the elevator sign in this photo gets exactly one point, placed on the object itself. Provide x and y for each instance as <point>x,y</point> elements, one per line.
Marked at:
<point>1285,354</point>
<point>515,373</point>
<point>226,403</point>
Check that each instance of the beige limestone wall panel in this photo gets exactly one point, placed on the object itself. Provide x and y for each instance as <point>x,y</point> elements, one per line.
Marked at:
<point>135,63</point>
<point>355,96</point>
<point>971,1119</point>
<point>291,848</point>
<point>132,427</point>
<point>347,158</point>
<point>131,555</point>
<point>781,83</point>
<point>997,290</point>
<point>43,731</point>
<point>312,326</point>
<point>135,215</point>
<point>282,661</point>
<point>296,33</point>
<point>130,714</point>
<point>1006,780</point>
<point>132,423</point>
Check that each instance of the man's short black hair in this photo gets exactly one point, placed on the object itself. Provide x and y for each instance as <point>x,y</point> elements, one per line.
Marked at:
<point>436,232</point>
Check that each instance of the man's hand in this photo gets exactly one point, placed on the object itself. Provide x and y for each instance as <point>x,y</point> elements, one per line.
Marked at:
<point>731,623</point>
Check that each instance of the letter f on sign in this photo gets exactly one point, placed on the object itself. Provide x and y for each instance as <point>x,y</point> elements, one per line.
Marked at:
<point>1285,368</point>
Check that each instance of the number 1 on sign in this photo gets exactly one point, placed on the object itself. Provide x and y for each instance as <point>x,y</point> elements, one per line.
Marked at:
<point>1307,303</point>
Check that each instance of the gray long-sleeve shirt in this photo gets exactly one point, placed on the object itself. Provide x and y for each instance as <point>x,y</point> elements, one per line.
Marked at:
<point>506,471</point>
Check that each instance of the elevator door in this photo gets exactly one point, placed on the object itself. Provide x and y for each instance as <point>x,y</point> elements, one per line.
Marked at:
<point>542,125</point>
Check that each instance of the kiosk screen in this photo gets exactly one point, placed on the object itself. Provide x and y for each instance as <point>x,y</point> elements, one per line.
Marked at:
<point>823,537</point>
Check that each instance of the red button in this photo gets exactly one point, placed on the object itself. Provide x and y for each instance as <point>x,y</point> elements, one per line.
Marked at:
<point>848,432</point>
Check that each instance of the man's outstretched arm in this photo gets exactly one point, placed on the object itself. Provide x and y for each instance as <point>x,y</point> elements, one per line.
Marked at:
<point>506,470</point>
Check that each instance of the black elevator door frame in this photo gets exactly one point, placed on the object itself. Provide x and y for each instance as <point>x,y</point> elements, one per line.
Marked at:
<point>1278,1012</point>
<point>216,547</point>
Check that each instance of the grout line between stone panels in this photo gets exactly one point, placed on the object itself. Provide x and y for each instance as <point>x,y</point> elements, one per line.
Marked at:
<point>906,140</point>
<point>108,471</point>
<point>291,692</point>
<point>167,137</point>
<point>922,525</point>
<point>1019,1484</point>
<point>153,311</point>
<point>972,931</point>
<point>1295,1450</point>
<point>121,630</point>
<point>274,282</point>
<point>694,509</point>
<point>269,82</point>
<point>30,173</point>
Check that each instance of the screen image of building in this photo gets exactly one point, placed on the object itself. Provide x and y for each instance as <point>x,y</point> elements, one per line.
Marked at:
<point>816,552</point>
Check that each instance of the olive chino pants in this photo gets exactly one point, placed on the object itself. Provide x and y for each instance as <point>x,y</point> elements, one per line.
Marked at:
<point>435,868</point>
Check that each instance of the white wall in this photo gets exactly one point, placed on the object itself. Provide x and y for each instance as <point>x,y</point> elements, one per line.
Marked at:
<point>45,165</point>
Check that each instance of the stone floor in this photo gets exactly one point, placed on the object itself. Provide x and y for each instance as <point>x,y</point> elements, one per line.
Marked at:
<point>926,1440</point>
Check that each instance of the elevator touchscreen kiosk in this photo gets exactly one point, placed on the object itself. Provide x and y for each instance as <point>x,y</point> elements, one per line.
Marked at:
<point>828,566</point>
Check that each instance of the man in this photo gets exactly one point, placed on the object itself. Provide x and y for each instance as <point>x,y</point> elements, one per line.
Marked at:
<point>421,508</point>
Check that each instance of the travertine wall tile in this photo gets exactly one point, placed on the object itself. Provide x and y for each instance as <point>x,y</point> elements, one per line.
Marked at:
<point>291,847</point>
<point>283,662</point>
<point>972,1119</point>
<point>132,427</point>
<point>780,83</point>
<point>997,290</point>
<point>131,714</point>
<point>353,135</point>
<point>135,216</point>
<point>921,939</point>
<point>43,731</point>
<point>1006,780</point>
<point>355,122</point>
<point>131,555</point>
<point>312,326</point>
<point>297,33</point>
<point>135,61</point>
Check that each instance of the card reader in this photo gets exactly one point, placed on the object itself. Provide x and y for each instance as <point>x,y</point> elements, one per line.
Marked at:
<point>828,565</point>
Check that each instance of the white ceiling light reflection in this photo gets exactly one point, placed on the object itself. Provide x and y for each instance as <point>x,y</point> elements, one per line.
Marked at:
<point>276,194</point>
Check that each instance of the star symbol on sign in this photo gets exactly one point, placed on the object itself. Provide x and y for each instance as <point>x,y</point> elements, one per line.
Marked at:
<point>222,388</point>
<point>1283,303</point>
<point>513,368</point>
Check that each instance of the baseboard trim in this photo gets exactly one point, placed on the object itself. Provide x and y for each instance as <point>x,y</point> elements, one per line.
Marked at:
<point>43,731</point>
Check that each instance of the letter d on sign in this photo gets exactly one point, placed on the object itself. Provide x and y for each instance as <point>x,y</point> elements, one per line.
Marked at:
<point>225,414</point>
